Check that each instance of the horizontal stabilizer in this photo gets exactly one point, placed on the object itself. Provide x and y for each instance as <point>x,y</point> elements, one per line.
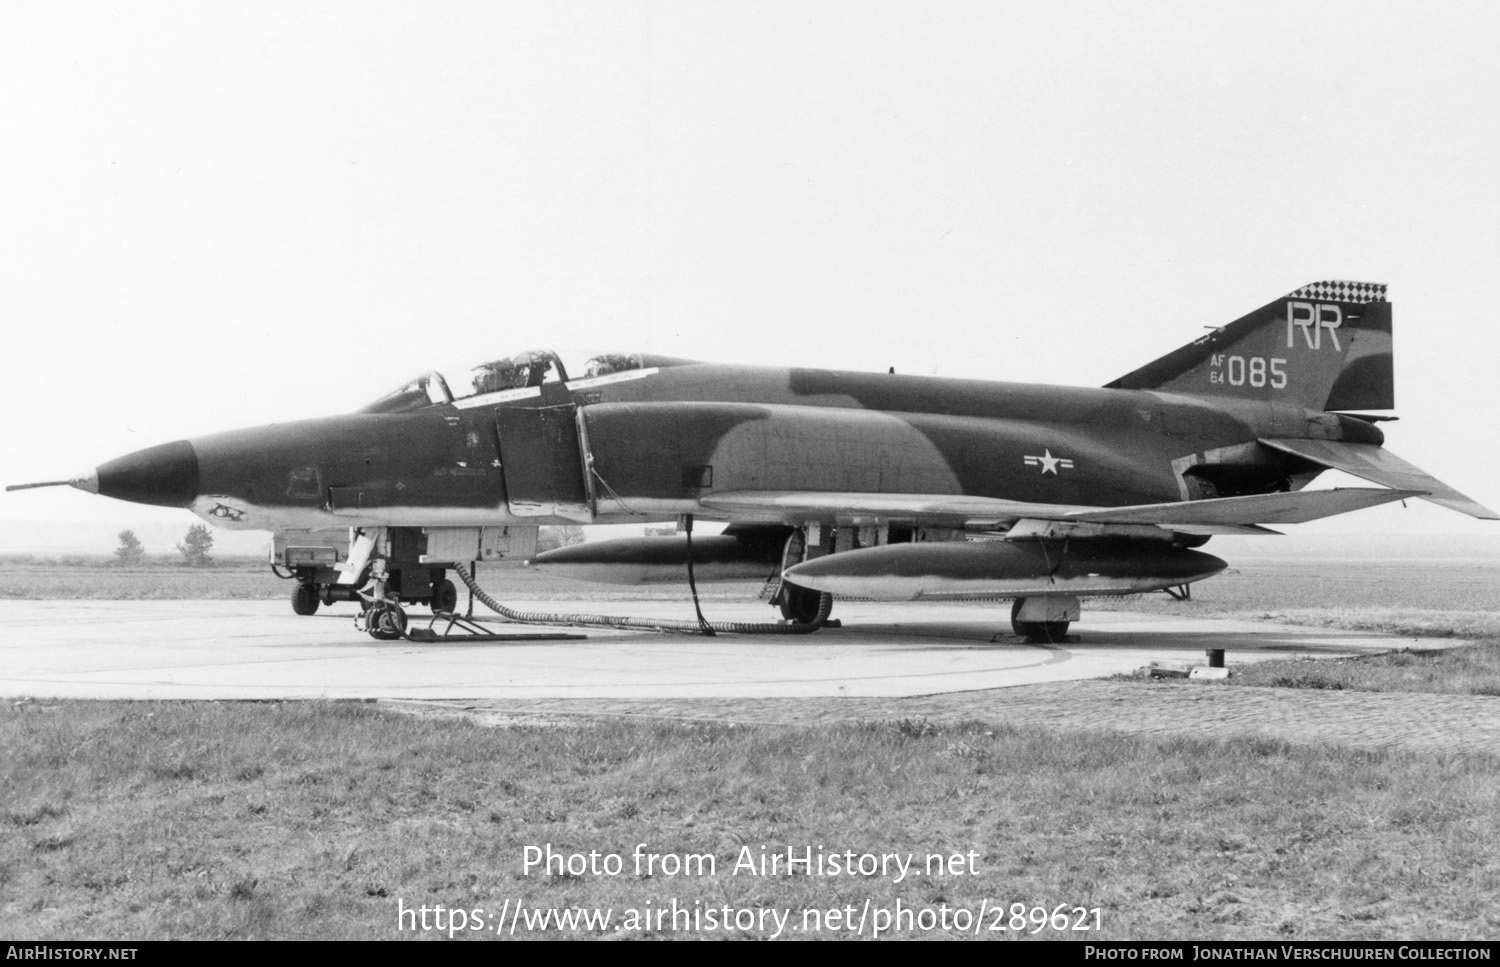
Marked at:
<point>1374,463</point>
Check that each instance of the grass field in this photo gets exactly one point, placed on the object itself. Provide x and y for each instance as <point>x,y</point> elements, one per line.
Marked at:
<point>267,820</point>
<point>1460,671</point>
<point>1432,598</point>
<point>94,579</point>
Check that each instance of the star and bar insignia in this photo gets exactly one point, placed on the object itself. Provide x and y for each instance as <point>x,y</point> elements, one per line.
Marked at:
<point>1048,462</point>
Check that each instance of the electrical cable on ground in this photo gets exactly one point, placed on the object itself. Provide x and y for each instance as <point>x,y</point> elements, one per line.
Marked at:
<point>825,605</point>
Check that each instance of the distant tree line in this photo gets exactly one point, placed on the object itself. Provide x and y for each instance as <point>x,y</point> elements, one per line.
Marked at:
<point>196,544</point>
<point>549,538</point>
<point>131,550</point>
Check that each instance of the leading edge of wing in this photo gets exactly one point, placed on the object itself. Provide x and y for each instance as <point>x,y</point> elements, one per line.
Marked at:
<point>938,510</point>
<point>1216,515</point>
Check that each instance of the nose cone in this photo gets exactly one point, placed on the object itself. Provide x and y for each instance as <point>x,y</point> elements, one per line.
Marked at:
<point>166,476</point>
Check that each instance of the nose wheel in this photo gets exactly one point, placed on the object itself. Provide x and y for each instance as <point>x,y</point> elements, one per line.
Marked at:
<point>384,621</point>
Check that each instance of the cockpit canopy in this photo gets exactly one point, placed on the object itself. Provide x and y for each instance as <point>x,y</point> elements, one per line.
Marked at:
<point>521,371</point>
<point>517,372</point>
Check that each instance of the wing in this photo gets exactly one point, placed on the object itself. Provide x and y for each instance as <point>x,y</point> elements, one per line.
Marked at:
<point>1224,515</point>
<point>933,510</point>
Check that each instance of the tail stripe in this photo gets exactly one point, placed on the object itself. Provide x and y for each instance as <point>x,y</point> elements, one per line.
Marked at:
<point>1357,293</point>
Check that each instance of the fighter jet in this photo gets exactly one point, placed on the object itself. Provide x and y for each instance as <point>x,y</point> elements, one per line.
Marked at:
<point>871,485</point>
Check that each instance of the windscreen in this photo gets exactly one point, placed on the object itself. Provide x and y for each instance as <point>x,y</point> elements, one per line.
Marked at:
<point>425,390</point>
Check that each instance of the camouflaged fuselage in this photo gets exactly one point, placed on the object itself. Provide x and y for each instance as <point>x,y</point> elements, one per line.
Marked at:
<point>654,443</point>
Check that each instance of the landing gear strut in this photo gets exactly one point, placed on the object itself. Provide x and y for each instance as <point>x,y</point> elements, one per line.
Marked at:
<point>382,617</point>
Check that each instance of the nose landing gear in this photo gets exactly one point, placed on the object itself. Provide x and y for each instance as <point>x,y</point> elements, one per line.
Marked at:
<point>381,617</point>
<point>383,620</point>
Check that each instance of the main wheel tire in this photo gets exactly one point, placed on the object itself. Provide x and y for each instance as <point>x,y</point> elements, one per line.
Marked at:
<point>1039,632</point>
<point>799,604</point>
<point>305,598</point>
<point>444,596</point>
<point>1045,632</point>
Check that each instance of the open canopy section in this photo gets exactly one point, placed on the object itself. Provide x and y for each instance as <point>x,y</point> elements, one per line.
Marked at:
<point>522,371</point>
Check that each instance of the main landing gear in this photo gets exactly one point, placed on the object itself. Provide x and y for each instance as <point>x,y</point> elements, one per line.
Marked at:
<point>1043,621</point>
<point>797,603</point>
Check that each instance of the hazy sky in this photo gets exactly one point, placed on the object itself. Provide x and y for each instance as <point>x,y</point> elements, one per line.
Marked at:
<point>221,215</point>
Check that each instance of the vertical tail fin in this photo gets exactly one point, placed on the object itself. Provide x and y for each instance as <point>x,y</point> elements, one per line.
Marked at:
<point>1326,346</point>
